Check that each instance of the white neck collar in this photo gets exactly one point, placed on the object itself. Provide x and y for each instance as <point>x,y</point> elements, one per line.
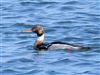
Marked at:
<point>40,38</point>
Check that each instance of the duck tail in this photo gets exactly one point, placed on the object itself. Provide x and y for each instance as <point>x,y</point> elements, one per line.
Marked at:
<point>85,48</point>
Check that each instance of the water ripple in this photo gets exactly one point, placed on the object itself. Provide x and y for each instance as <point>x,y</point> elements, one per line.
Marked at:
<point>73,21</point>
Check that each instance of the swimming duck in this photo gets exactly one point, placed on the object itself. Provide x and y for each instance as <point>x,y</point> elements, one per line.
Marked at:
<point>40,45</point>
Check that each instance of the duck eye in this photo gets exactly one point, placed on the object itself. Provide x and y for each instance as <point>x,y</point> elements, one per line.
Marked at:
<point>33,29</point>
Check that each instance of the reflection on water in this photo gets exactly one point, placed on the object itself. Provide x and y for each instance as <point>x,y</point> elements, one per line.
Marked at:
<point>70,21</point>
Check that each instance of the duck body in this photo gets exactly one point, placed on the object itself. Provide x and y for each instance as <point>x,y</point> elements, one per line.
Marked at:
<point>59,45</point>
<point>40,45</point>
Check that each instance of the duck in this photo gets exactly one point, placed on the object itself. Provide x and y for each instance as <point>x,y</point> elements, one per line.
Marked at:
<point>41,45</point>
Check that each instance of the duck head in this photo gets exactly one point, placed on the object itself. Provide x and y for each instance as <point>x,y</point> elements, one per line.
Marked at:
<point>38,29</point>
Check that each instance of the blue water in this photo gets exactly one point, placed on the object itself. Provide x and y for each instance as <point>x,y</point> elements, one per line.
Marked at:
<point>73,21</point>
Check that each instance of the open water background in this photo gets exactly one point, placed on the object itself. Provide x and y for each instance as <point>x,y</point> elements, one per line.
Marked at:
<point>73,21</point>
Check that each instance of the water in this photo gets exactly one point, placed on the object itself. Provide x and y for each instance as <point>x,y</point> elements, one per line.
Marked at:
<point>73,21</point>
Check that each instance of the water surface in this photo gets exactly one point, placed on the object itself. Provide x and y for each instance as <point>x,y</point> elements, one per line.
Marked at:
<point>73,21</point>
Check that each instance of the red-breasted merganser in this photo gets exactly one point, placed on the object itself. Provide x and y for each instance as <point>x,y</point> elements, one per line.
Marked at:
<point>40,45</point>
